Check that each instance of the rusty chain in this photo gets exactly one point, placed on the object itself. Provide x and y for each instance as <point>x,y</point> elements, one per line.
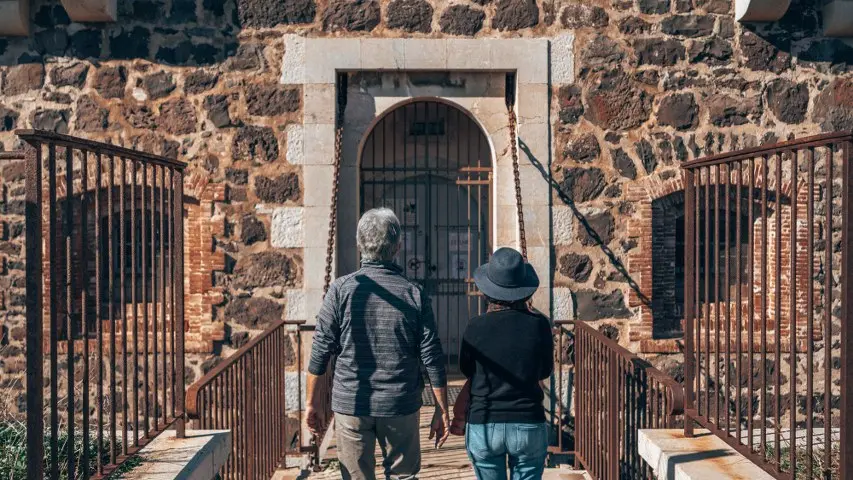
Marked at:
<point>326,379</point>
<point>333,218</point>
<point>513,143</point>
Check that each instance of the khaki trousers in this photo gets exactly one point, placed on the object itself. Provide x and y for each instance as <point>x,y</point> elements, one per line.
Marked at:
<point>398,437</point>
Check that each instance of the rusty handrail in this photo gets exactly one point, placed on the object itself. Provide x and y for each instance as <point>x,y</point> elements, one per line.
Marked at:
<point>13,155</point>
<point>675,390</point>
<point>42,136</point>
<point>250,394</point>
<point>614,393</point>
<point>215,372</point>
<point>745,154</point>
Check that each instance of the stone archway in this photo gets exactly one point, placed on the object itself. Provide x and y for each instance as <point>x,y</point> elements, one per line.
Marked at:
<point>469,72</point>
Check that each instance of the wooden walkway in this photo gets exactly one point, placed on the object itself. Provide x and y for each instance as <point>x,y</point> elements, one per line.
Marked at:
<point>449,463</point>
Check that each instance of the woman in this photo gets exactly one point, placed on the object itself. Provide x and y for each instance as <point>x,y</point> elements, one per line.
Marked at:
<point>505,354</point>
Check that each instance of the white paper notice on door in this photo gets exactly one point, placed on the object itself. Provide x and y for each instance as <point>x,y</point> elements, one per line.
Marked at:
<point>458,241</point>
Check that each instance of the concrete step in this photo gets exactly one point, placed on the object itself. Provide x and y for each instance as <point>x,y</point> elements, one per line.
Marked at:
<point>672,455</point>
<point>200,455</point>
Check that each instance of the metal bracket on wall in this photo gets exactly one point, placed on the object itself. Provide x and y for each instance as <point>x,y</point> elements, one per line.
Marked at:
<point>509,90</point>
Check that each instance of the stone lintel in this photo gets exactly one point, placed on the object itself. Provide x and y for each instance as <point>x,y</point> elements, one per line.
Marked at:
<point>198,456</point>
<point>760,10</point>
<point>14,18</point>
<point>705,456</point>
<point>315,60</point>
<point>91,10</point>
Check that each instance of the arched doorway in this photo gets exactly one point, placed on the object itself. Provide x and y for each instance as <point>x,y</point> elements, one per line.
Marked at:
<point>430,162</point>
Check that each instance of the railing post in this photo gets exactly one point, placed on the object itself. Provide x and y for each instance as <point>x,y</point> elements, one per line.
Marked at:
<point>35,367</point>
<point>612,415</point>
<point>689,277</point>
<point>178,299</point>
<point>846,453</point>
<point>580,404</point>
<point>299,387</point>
<point>250,416</point>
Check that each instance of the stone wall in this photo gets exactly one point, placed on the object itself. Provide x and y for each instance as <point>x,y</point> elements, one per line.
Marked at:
<point>657,82</point>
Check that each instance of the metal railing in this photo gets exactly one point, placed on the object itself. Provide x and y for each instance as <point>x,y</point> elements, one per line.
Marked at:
<point>616,393</point>
<point>247,393</point>
<point>104,241</point>
<point>767,295</point>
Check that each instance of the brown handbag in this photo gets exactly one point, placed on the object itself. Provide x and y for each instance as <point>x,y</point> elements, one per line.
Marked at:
<point>460,410</point>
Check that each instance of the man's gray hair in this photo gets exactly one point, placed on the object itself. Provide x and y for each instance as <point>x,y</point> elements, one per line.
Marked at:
<point>378,235</point>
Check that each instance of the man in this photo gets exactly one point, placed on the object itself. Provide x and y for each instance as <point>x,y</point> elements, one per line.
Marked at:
<point>382,328</point>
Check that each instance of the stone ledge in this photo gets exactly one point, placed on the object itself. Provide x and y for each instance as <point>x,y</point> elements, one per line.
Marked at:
<point>565,474</point>
<point>838,18</point>
<point>672,456</point>
<point>316,60</point>
<point>14,18</point>
<point>760,10</point>
<point>199,456</point>
<point>91,10</point>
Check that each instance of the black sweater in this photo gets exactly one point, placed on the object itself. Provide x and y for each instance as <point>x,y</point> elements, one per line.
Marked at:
<point>505,354</point>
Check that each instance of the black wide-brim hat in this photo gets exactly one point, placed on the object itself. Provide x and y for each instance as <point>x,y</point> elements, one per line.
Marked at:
<point>506,276</point>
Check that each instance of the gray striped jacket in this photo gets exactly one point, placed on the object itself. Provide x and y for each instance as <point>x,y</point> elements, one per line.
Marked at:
<point>382,327</point>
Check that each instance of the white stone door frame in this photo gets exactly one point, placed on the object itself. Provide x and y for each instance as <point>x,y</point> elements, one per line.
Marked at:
<point>538,64</point>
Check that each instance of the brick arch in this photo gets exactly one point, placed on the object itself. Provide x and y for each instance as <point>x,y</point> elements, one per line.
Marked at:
<point>202,260</point>
<point>643,194</point>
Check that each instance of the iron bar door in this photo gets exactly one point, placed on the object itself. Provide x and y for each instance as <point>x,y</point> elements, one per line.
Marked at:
<point>430,162</point>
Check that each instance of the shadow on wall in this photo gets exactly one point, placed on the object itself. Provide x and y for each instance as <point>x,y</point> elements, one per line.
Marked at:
<point>596,238</point>
<point>799,34</point>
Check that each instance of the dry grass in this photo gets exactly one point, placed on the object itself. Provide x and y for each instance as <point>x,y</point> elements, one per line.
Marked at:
<point>13,449</point>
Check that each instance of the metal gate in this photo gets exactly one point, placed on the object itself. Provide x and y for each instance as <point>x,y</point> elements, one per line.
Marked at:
<point>430,162</point>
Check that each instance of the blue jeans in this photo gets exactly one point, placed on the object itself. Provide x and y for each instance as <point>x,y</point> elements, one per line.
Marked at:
<point>525,445</point>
